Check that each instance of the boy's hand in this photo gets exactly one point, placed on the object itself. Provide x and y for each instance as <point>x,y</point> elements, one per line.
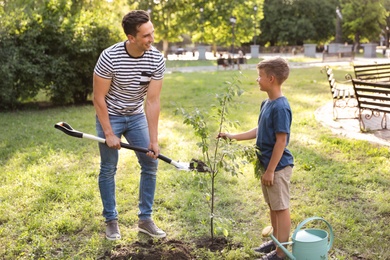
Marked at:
<point>268,178</point>
<point>223,136</point>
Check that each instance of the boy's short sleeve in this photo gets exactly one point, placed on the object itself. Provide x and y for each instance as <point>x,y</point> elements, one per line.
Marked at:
<point>282,120</point>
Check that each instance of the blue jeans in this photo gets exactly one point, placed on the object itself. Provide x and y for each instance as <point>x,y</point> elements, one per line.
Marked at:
<point>135,129</point>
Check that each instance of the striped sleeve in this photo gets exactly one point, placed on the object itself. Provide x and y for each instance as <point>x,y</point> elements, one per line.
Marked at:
<point>159,73</point>
<point>104,66</point>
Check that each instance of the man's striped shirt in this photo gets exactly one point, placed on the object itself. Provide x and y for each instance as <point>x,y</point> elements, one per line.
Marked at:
<point>130,77</point>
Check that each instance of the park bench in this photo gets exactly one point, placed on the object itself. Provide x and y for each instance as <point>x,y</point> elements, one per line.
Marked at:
<point>230,62</point>
<point>372,72</point>
<point>338,56</point>
<point>222,62</point>
<point>374,98</point>
<point>342,92</point>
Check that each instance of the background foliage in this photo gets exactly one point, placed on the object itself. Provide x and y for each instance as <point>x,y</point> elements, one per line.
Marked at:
<point>51,46</point>
<point>294,22</point>
<point>364,20</point>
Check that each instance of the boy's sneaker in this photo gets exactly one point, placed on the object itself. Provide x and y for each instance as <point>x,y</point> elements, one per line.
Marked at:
<point>148,227</point>
<point>272,256</point>
<point>112,230</point>
<point>266,247</point>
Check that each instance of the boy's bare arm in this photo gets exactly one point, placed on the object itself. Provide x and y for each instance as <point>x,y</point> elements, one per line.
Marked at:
<point>251,134</point>
<point>277,153</point>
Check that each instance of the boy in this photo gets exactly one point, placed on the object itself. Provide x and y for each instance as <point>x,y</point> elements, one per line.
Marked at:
<point>272,137</point>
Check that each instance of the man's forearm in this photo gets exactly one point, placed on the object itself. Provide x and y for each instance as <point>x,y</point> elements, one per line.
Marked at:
<point>102,114</point>
<point>152,112</point>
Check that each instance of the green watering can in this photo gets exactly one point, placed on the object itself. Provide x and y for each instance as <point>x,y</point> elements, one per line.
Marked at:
<point>307,244</point>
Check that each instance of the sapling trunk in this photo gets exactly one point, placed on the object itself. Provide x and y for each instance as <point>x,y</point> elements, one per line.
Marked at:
<point>214,168</point>
<point>219,159</point>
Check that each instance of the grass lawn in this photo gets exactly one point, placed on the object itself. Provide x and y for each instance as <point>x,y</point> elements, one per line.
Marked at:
<point>50,205</point>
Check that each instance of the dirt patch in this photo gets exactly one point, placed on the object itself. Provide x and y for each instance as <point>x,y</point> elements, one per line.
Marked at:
<point>219,244</point>
<point>167,249</point>
<point>152,250</point>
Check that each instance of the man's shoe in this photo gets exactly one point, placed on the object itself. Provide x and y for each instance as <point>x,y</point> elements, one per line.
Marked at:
<point>266,247</point>
<point>112,230</point>
<point>148,227</point>
<point>272,256</point>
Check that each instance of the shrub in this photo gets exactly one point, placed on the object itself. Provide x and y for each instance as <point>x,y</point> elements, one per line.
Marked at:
<point>54,47</point>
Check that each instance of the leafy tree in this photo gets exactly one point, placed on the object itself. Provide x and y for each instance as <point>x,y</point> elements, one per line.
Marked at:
<point>205,22</point>
<point>386,28</point>
<point>363,20</point>
<point>168,18</point>
<point>214,26</point>
<point>292,22</point>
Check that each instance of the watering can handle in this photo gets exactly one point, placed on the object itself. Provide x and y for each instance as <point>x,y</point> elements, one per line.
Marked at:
<point>299,227</point>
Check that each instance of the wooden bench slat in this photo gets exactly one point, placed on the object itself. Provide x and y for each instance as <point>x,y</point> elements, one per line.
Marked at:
<point>374,105</point>
<point>371,65</point>
<point>374,97</point>
<point>375,108</point>
<point>384,85</point>
<point>373,72</point>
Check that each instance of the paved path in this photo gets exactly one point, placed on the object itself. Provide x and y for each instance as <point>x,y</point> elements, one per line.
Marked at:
<point>347,126</point>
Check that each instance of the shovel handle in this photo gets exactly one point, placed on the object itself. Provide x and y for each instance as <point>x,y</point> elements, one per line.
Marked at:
<point>144,150</point>
<point>67,129</point>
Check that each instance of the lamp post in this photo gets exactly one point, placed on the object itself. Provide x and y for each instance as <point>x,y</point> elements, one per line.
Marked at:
<point>201,21</point>
<point>233,21</point>
<point>387,31</point>
<point>201,47</point>
<point>254,35</point>
<point>338,25</point>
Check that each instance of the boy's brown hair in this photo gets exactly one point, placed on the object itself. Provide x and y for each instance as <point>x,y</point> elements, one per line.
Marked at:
<point>276,67</point>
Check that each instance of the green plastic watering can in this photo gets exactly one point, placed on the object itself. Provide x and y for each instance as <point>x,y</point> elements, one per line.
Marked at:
<point>307,244</point>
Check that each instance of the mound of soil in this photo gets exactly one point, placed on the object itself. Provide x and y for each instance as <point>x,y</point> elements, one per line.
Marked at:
<point>167,249</point>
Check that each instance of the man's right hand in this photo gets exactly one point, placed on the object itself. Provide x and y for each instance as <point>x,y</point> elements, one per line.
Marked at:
<point>113,141</point>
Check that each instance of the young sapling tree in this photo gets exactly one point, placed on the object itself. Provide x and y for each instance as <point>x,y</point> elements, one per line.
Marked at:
<point>218,154</point>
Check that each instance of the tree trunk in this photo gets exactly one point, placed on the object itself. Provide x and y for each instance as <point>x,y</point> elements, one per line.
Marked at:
<point>215,49</point>
<point>165,48</point>
<point>212,207</point>
<point>357,42</point>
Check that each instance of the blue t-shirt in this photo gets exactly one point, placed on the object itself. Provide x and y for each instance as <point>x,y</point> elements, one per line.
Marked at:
<point>275,117</point>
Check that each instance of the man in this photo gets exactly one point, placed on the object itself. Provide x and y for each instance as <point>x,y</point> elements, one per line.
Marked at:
<point>127,82</point>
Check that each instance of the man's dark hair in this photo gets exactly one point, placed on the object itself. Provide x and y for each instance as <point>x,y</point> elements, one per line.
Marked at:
<point>133,20</point>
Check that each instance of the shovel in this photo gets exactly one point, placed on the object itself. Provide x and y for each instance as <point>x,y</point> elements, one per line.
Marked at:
<point>193,165</point>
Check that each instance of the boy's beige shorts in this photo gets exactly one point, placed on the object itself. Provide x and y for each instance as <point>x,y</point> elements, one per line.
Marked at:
<point>278,195</point>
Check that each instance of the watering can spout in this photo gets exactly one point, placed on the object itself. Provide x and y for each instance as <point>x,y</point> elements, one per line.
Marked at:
<point>268,232</point>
